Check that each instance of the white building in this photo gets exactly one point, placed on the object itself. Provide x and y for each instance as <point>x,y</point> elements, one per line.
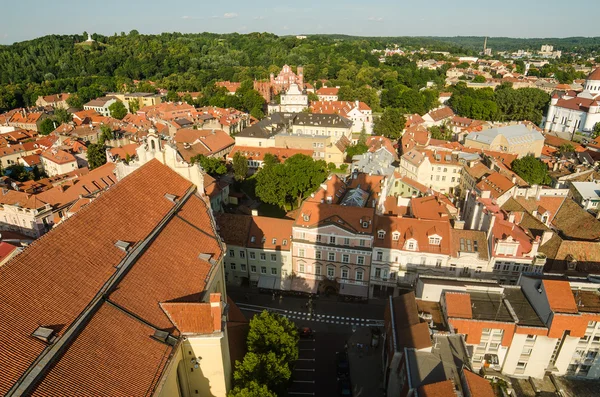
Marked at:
<point>570,112</point>
<point>436,169</point>
<point>100,105</point>
<point>587,194</point>
<point>293,101</point>
<point>57,162</point>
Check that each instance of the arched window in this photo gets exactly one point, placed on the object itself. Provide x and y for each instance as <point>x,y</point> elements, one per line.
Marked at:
<point>152,144</point>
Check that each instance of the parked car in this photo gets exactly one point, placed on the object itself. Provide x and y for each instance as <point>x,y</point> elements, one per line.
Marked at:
<point>343,365</point>
<point>306,332</point>
<point>345,388</point>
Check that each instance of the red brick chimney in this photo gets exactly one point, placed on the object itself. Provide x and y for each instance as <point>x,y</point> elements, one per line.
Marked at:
<point>216,311</point>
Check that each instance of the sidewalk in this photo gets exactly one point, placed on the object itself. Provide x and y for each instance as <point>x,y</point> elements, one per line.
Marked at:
<point>366,373</point>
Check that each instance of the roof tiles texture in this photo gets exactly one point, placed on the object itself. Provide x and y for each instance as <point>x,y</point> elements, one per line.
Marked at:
<point>458,305</point>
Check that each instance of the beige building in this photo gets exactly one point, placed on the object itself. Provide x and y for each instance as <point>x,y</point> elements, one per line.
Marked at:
<point>517,139</point>
<point>24,213</point>
<point>437,169</point>
<point>142,98</point>
<point>57,101</point>
<point>57,162</point>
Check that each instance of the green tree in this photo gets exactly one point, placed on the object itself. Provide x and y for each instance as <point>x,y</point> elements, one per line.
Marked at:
<point>566,148</point>
<point>532,170</point>
<point>479,79</point>
<point>440,132</point>
<point>62,116</point>
<point>390,124</point>
<point>211,165</point>
<point>265,369</point>
<point>312,97</point>
<point>240,166</point>
<point>117,110</point>
<point>134,106</point>
<point>96,155</point>
<point>106,133</point>
<point>271,332</point>
<point>172,96</point>
<point>596,131</point>
<point>46,126</point>
<point>75,101</point>
<point>251,389</point>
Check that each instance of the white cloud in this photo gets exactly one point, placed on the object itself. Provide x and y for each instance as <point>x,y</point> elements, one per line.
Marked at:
<point>376,19</point>
<point>229,15</point>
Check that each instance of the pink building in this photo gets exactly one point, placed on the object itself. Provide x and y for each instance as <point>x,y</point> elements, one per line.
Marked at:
<point>287,77</point>
<point>332,247</point>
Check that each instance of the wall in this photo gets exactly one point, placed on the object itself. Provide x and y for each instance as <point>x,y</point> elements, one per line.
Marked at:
<point>538,360</point>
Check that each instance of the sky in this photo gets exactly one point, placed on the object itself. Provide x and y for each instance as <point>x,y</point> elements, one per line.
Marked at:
<point>511,18</point>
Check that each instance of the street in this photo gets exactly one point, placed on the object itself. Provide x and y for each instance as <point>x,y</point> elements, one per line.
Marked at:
<point>315,372</point>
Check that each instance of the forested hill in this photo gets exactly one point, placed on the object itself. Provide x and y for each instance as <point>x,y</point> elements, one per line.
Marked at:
<point>582,45</point>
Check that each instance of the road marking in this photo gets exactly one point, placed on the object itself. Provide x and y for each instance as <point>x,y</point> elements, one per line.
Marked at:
<point>305,369</point>
<point>304,381</point>
<point>305,359</point>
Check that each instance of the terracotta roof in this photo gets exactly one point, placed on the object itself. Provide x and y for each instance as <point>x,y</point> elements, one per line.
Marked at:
<point>376,143</point>
<point>410,331</point>
<point>230,86</point>
<point>233,228</point>
<point>58,156</point>
<point>496,183</point>
<point>276,233</point>
<point>439,389</point>
<point>333,188</point>
<point>577,103</point>
<point>560,297</point>
<point>472,241</point>
<point>478,386</point>
<point>74,261</point>
<point>337,107</point>
<point>205,142</point>
<point>23,200</point>
<point>125,150</point>
<point>411,228</point>
<point>347,217</point>
<point>28,118</point>
<point>429,207</point>
<point>190,317</point>
<point>328,91</point>
<point>458,304</point>
<point>550,204</point>
<point>117,349</point>
<point>574,222</point>
<point>595,75</point>
<point>6,249</point>
<point>441,113</point>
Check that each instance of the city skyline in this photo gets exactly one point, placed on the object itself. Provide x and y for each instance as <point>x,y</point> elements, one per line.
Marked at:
<point>378,18</point>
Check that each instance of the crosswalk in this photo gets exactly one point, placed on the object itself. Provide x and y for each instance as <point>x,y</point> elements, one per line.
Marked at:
<point>316,317</point>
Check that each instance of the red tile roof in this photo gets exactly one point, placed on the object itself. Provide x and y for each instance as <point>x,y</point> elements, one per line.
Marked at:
<point>328,91</point>
<point>72,263</point>
<point>458,304</point>
<point>190,317</point>
<point>430,207</point>
<point>347,217</point>
<point>441,113</point>
<point>478,386</point>
<point>496,183</point>
<point>417,229</point>
<point>439,389</point>
<point>6,249</point>
<point>560,297</point>
<point>274,231</point>
<point>58,156</point>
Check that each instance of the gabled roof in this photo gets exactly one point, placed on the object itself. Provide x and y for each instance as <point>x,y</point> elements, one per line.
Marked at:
<point>276,232</point>
<point>477,386</point>
<point>560,297</point>
<point>350,218</point>
<point>575,223</point>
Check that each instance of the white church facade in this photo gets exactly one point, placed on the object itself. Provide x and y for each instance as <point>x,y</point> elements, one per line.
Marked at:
<point>575,112</point>
<point>293,100</point>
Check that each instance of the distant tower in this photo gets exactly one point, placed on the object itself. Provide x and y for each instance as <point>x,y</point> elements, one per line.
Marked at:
<point>484,45</point>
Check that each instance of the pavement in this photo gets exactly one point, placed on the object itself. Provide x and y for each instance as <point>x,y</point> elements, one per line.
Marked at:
<point>366,373</point>
<point>333,323</point>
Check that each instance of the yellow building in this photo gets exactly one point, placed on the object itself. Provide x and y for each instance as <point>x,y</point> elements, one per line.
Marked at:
<point>517,139</point>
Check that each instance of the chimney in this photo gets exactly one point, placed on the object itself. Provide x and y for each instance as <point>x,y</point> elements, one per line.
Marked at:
<point>216,311</point>
<point>547,235</point>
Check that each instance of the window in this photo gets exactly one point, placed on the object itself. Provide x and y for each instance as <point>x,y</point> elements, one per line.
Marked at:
<point>596,339</point>
<point>274,271</point>
<point>395,236</point>
<point>273,257</point>
<point>486,331</point>
<point>438,263</point>
<point>252,255</point>
<point>253,268</point>
<point>301,235</point>
<point>515,268</point>
<point>361,242</point>
<point>530,338</point>
<point>263,270</point>
<point>423,261</point>
<point>232,266</point>
<point>380,234</point>
<point>232,253</point>
<point>301,252</point>
<point>344,273</point>
<point>301,267</point>
<point>494,346</point>
<point>377,272</point>
<point>411,245</point>
<point>346,241</point>
<point>379,256</point>
<point>330,272</point>
<point>392,275</point>
<point>263,256</point>
<point>262,240</point>
<point>345,258</point>
<point>318,270</point>
<point>526,351</point>
<point>242,254</point>
<point>284,242</point>
<point>317,254</point>
<point>521,365</point>
<point>360,260</point>
<point>359,275</point>
<point>318,238</point>
<point>434,240</point>
<point>331,239</point>
<point>274,241</point>
<point>478,270</point>
<point>453,179</point>
<point>444,178</point>
<point>243,267</point>
<point>591,324</point>
<point>331,256</point>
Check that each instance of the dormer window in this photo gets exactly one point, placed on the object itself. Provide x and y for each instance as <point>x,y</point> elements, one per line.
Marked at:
<point>274,241</point>
<point>306,218</point>
<point>395,236</point>
<point>411,244</point>
<point>284,242</point>
<point>365,225</point>
<point>381,234</point>
<point>263,240</point>
<point>252,239</point>
<point>435,240</point>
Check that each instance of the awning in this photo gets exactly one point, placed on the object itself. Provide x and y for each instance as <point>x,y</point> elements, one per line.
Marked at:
<point>267,282</point>
<point>305,285</point>
<point>354,290</point>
